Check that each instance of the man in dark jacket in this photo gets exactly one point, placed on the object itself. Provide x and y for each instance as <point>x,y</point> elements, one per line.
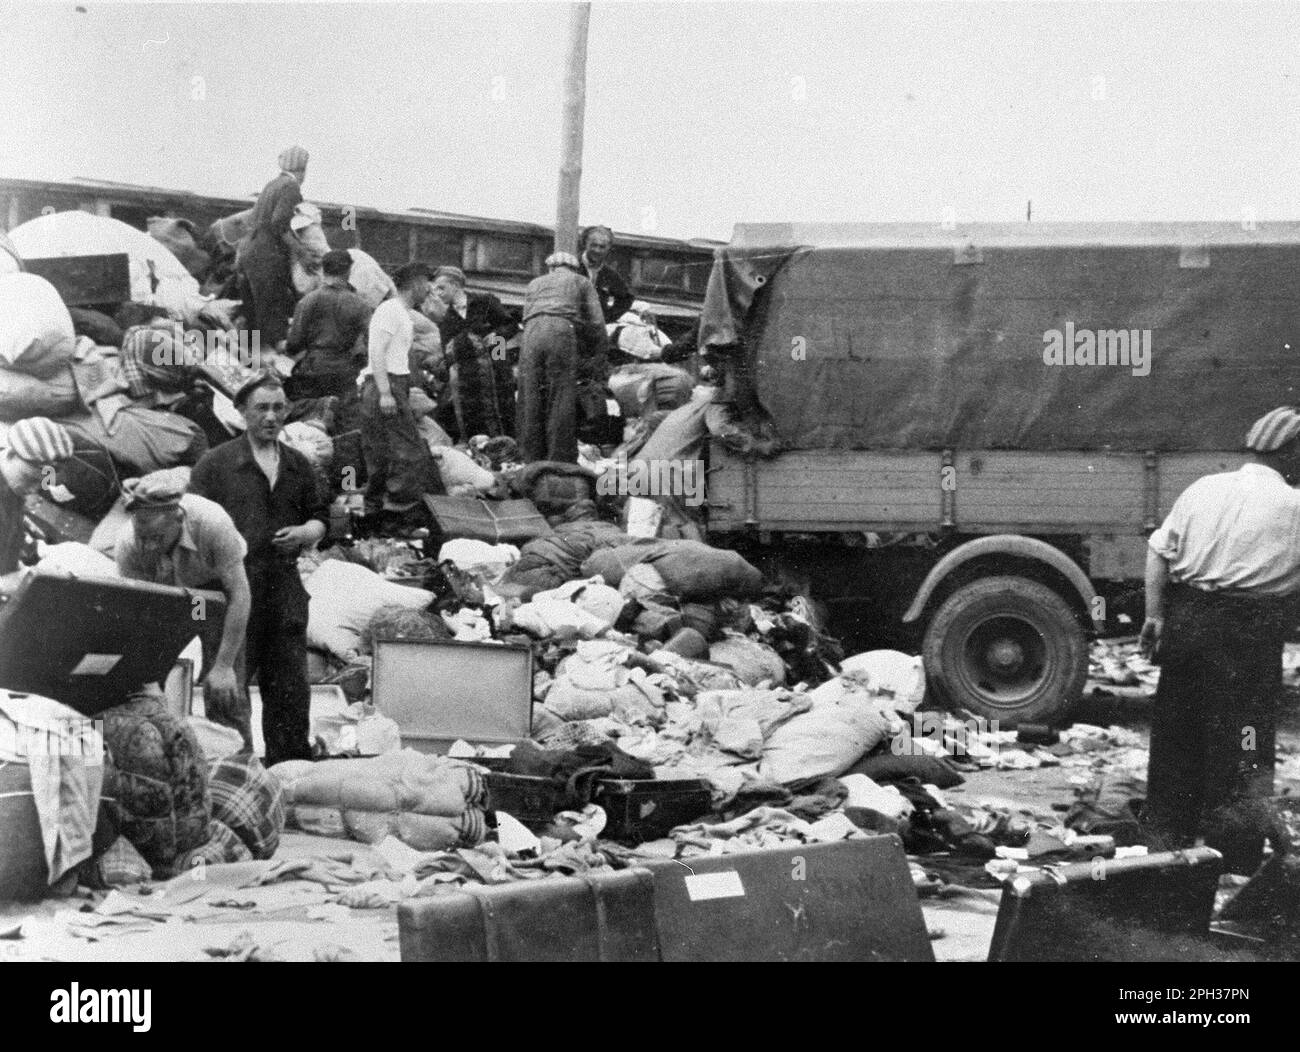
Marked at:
<point>266,254</point>
<point>615,300</point>
<point>328,330</point>
<point>475,332</point>
<point>272,494</point>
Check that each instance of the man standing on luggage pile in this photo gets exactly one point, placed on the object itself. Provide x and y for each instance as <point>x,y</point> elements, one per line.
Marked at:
<point>561,315</point>
<point>328,330</point>
<point>273,496</point>
<point>265,256</point>
<point>399,467</point>
<point>1222,578</point>
<point>27,453</point>
<point>186,541</point>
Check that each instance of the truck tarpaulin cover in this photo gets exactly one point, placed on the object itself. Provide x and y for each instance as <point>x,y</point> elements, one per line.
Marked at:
<point>897,338</point>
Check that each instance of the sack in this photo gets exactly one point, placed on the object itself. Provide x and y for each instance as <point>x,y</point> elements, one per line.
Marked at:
<point>826,740</point>
<point>22,395</point>
<point>345,598</point>
<point>359,730</point>
<point>36,332</point>
<point>557,617</point>
<point>102,330</point>
<point>369,279</point>
<point>594,682</point>
<point>889,672</point>
<point>752,661</point>
<point>178,236</point>
<point>78,560</point>
<point>249,800</point>
<point>593,596</point>
<point>478,558</point>
<point>163,806</point>
<point>554,486</point>
<point>141,440</point>
<point>460,469</point>
<point>693,570</point>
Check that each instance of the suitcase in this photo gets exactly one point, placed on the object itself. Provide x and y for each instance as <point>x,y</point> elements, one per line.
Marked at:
<point>1101,910</point>
<point>494,521</point>
<point>848,901</point>
<point>601,917</point>
<point>91,642</point>
<point>648,808</point>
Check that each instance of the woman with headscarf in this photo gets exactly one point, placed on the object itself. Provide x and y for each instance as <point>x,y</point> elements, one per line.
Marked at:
<point>266,254</point>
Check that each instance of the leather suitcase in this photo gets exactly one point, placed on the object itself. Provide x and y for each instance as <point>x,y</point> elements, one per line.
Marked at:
<point>848,901</point>
<point>602,917</point>
<point>493,521</point>
<point>91,642</point>
<point>1103,910</point>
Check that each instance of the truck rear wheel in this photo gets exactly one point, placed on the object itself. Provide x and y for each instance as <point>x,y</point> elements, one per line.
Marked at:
<point>1008,649</point>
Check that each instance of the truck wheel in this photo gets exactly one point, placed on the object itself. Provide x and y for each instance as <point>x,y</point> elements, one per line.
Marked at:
<point>1008,649</point>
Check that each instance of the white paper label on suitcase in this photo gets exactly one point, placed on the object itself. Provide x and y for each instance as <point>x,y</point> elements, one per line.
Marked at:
<point>96,664</point>
<point>704,886</point>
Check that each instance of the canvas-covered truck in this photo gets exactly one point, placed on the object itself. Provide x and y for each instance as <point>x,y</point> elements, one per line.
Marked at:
<point>981,426</point>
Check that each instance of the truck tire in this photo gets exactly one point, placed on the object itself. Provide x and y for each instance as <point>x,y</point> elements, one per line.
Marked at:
<point>1008,649</point>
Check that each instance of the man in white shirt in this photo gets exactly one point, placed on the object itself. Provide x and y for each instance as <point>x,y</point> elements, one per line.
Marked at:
<point>1222,577</point>
<point>399,468</point>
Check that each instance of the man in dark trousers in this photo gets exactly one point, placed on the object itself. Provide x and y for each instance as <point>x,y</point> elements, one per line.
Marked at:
<point>265,256</point>
<point>561,316</point>
<point>475,331</point>
<point>328,330</point>
<point>1222,577</point>
<point>271,493</point>
<point>615,300</point>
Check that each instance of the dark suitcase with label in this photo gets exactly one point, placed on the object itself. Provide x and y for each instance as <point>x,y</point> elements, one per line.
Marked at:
<point>1105,909</point>
<point>601,917</point>
<point>91,642</point>
<point>848,901</point>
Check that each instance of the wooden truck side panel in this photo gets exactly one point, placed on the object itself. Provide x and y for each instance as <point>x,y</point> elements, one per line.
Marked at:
<point>986,491</point>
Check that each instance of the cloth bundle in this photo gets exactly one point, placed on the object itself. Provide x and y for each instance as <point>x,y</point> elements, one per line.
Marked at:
<point>163,805</point>
<point>690,569</point>
<point>595,682</point>
<point>752,661</point>
<point>345,598</point>
<point>550,561</point>
<point>249,801</point>
<point>430,803</point>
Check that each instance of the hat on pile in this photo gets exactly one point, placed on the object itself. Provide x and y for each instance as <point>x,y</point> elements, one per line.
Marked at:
<point>1274,430</point>
<point>158,489</point>
<point>294,159</point>
<point>40,441</point>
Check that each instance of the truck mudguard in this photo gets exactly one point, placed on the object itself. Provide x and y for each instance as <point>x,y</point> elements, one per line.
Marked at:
<point>1003,544</point>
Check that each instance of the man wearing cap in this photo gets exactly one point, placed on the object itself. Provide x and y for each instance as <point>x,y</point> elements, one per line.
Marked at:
<point>27,454</point>
<point>1222,577</point>
<point>611,289</point>
<point>186,541</point>
<point>329,330</point>
<point>475,332</point>
<point>266,253</point>
<point>271,492</point>
<point>399,467</point>
<point>561,311</point>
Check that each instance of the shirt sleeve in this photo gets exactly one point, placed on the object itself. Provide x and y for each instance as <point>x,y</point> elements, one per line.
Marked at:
<point>223,547</point>
<point>1167,540</point>
<point>203,481</point>
<point>296,340</point>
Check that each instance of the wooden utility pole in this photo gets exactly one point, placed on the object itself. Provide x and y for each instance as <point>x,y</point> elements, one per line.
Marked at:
<point>575,104</point>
